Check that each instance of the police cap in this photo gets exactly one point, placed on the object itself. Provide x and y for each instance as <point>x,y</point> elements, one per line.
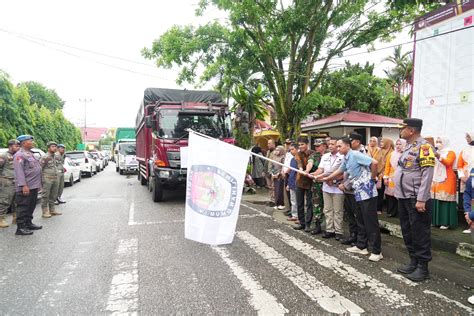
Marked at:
<point>51,144</point>
<point>355,136</point>
<point>12,142</point>
<point>61,146</point>
<point>22,138</point>
<point>411,122</point>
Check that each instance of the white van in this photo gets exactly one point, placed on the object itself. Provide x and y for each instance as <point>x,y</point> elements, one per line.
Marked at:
<point>126,160</point>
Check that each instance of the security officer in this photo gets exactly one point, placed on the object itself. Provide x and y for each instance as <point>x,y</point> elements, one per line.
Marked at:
<point>49,164</point>
<point>413,177</point>
<point>7,182</point>
<point>60,156</point>
<point>27,183</point>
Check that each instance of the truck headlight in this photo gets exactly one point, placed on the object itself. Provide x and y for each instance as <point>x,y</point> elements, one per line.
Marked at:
<point>164,174</point>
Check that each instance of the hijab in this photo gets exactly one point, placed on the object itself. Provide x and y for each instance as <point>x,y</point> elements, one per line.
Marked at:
<point>440,174</point>
<point>373,150</point>
<point>397,154</point>
<point>256,150</point>
<point>471,134</point>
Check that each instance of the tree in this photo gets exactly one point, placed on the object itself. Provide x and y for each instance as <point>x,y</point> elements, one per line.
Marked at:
<point>43,96</point>
<point>400,75</point>
<point>290,46</point>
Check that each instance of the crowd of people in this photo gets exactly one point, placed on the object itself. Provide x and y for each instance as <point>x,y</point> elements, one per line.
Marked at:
<point>22,176</point>
<point>341,179</point>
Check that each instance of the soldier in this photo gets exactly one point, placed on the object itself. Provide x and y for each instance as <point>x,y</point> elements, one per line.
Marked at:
<point>7,182</point>
<point>60,156</point>
<point>413,179</point>
<point>27,184</point>
<point>49,163</point>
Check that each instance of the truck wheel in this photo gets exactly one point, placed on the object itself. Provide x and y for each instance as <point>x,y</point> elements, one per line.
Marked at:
<point>141,178</point>
<point>121,171</point>
<point>157,191</point>
<point>117,169</point>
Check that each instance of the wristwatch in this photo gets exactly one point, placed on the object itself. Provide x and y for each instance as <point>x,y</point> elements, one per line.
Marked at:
<point>334,181</point>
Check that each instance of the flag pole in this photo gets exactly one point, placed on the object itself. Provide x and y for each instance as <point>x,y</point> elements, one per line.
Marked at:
<point>251,153</point>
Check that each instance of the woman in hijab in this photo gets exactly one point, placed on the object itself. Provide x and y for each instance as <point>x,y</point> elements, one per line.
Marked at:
<point>389,177</point>
<point>443,189</point>
<point>386,149</point>
<point>277,176</point>
<point>258,170</point>
<point>466,163</point>
<point>373,148</point>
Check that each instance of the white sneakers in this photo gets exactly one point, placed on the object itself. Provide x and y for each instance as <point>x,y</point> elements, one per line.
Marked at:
<point>467,231</point>
<point>376,258</point>
<point>471,299</point>
<point>444,227</point>
<point>373,257</point>
<point>354,249</point>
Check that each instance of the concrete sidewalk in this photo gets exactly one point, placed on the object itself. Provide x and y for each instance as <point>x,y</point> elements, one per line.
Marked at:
<point>451,240</point>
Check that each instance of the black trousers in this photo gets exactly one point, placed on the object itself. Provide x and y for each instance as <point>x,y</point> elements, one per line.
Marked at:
<point>380,197</point>
<point>301,196</point>
<point>25,207</point>
<point>287,193</point>
<point>350,206</point>
<point>392,205</point>
<point>368,223</point>
<point>416,229</point>
<point>278,186</point>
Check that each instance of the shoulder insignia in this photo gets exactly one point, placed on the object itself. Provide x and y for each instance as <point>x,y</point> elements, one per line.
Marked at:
<point>427,157</point>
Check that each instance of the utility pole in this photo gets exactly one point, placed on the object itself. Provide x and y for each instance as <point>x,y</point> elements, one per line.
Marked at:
<point>85,100</point>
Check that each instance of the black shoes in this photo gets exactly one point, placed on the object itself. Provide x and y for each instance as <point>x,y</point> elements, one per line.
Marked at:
<point>328,235</point>
<point>33,226</point>
<point>23,231</point>
<point>420,274</point>
<point>307,229</point>
<point>409,267</point>
<point>349,240</point>
<point>338,237</point>
<point>316,231</point>
<point>60,201</point>
<point>298,227</point>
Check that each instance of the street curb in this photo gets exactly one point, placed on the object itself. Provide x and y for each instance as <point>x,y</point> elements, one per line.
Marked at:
<point>462,249</point>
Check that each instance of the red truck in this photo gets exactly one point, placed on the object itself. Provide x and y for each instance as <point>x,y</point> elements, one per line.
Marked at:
<point>161,131</point>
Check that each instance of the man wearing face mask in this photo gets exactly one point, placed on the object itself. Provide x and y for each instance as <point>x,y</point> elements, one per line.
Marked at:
<point>413,179</point>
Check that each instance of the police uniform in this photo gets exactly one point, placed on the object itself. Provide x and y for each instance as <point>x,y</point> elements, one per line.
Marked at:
<point>60,164</point>
<point>27,174</point>
<point>7,184</point>
<point>49,164</point>
<point>413,179</point>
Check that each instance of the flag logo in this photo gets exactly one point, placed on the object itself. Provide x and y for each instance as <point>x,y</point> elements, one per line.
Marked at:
<point>212,191</point>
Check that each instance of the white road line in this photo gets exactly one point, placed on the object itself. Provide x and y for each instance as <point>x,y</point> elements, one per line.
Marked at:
<point>255,210</point>
<point>399,277</point>
<point>328,299</point>
<point>347,272</point>
<point>55,287</point>
<point>133,223</point>
<point>131,214</point>
<point>263,302</point>
<point>123,293</point>
<point>448,300</point>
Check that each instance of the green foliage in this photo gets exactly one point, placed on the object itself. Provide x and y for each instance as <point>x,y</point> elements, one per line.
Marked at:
<point>43,96</point>
<point>242,140</point>
<point>20,116</point>
<point>288,44</point>
<point>401,73</point>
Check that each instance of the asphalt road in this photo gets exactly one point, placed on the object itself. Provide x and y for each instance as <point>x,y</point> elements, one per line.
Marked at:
<point>115,251</point>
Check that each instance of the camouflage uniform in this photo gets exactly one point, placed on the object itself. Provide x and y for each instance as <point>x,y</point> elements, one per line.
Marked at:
<point>49,164</point>
<point>60,165</point>
<point>317,189</point>
<point>7,184</point>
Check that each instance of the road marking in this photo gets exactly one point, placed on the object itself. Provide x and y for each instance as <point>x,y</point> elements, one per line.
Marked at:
<point>399,277</point>
<point>328,299</point>
<point>55,287</point>
<point>345,271</point>
<point>263,214</point>
<point>123,293</point>
<point>133,223</point>
<point>448,300</point>
<point>263,302</point>
<point>131,214</point>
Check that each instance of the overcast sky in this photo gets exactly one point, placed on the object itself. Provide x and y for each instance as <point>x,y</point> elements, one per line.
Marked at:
<point>35,36</point>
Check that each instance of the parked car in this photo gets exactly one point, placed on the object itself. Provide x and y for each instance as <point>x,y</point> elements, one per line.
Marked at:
<point>72,172</point>
<point>86,161</point>
<point>38,153</point>
<point>99,160</point>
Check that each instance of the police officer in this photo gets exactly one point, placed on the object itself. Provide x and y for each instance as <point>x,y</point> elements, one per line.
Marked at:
<point>7,182</point>
<point>49,164</point>
<point>413,179</point>
<point>27,183</point>
<point>60,156</point>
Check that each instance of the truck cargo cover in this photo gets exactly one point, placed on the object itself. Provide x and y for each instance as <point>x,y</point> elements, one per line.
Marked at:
<point>153,95</point>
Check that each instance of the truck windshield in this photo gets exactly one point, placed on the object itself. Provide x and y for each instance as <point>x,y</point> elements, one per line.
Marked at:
<point>172,125</point>
<point>127,149</point>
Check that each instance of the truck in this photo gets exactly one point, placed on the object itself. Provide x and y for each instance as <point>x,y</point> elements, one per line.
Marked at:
<point>162,124</point>
<point>125,153</point>
<point>121,134</point>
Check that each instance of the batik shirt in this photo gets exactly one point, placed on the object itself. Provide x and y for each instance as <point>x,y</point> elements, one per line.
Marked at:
<point>357,166</point>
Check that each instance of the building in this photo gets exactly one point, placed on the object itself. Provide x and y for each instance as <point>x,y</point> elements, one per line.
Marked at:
<point>366,124</point>
<point>93,134</point>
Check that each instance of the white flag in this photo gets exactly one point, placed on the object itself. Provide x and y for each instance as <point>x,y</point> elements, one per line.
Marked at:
<point>215,179</point>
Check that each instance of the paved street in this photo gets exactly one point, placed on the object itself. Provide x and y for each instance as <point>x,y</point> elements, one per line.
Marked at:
<point>114,250</point>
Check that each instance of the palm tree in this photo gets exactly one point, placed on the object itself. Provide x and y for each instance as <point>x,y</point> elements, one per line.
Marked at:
<point>400,75</point>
